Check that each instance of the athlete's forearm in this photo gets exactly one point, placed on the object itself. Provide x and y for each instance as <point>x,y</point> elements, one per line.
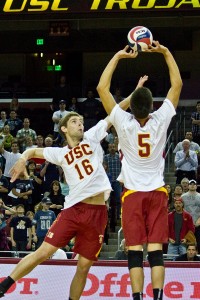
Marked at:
<point>31,153</point>
<point>175,78</point>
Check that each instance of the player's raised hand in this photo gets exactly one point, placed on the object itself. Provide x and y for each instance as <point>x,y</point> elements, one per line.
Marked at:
<point>18,168</point>
<point>156,47</point>
<point>142,80</point>
<point>127,52</point>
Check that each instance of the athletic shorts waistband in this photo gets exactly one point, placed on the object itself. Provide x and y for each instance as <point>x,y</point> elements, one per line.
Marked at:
<point>90,206</point>
<point>161,189</point>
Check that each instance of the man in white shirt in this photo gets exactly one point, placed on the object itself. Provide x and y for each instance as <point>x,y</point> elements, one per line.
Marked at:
<point>10,157</point>
<point>186,162</point>
<point>58,115</point>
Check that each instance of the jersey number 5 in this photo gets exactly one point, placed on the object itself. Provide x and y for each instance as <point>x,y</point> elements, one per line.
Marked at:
<point>144,146</point>
<point>87,167</point>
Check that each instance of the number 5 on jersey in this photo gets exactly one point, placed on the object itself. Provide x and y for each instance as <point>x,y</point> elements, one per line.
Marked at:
<point>144,145</point>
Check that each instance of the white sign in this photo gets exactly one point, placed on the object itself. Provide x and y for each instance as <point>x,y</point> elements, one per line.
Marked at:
<point>50,282</point>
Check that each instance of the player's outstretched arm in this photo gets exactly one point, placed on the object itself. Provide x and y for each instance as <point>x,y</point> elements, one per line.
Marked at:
<point>174,73</point>
<point>20,165</point>
<point>103,87</point>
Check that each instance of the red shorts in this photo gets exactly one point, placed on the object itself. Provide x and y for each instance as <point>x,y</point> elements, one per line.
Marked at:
<point>145,217</point>
<point>84,221</point>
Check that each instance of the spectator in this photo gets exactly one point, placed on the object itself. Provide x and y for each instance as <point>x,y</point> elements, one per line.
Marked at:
<point>48,171</point>
<point>90,110</point>
<point>74,106</point>
<point>179,223</point>
<point>123,253</point>
<point>10,157</point>
<point>24,133</point>
<point>14,123</point>
<point>15,105</point>
<point>193,146</point>
<point>186,162</point>
<point>64,185</point>
<point>21,191</point>
<point>36,180</point>
<point>61,92</point>
<point>7,138</point>
<point>4,246</point>
<point>48,142</point>
<point>57,116</point>
<point>2,161</point>
<point>114,166</point>
<point>191,254</point>
<point>4,186</point>
<point>110,138</point>
<point>30,214</point>
<point>198,178</point>
<point>195,117</point>
<point>40,141</point>
<point>178,191</point>
<point>3,119</point>
<point>19,226</point>
<point>56,197</point>
<point>44,218</point>
<point>185,184</point>
<point>191,201</point>
<point>170,199</point>
<point>39,144</point>
<point>29,143</point>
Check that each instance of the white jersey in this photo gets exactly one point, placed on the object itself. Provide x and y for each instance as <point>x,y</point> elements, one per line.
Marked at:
<point>142,147</point>
<point>82,165</point>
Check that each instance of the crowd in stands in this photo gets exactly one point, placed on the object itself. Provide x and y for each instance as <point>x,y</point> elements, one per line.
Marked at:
<point>29,205</point>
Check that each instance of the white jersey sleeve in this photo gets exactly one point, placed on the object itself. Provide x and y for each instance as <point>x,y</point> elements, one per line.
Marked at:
<point>97,132</point>
<point>52,154</point>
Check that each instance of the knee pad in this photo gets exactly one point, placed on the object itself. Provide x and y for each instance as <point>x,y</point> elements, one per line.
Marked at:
<point>135,259</point>
<point>155,258</point>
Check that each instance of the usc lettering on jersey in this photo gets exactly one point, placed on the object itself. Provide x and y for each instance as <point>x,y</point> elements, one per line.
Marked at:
<point>82,165</point>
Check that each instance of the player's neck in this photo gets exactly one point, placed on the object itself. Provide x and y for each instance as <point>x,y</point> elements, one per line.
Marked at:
<point>143,121</point>
<point>73,142</point>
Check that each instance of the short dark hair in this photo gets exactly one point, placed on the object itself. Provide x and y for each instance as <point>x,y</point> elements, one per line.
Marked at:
<point>141,102</point>
<point>193,245</point>
<point>14,141</point>
<point>30,162</point>
<point>20,205</point>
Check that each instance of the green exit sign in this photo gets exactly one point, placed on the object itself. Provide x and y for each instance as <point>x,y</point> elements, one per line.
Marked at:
<point>54,68</point>
<point>40,42</point>
<point>58,68</point>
